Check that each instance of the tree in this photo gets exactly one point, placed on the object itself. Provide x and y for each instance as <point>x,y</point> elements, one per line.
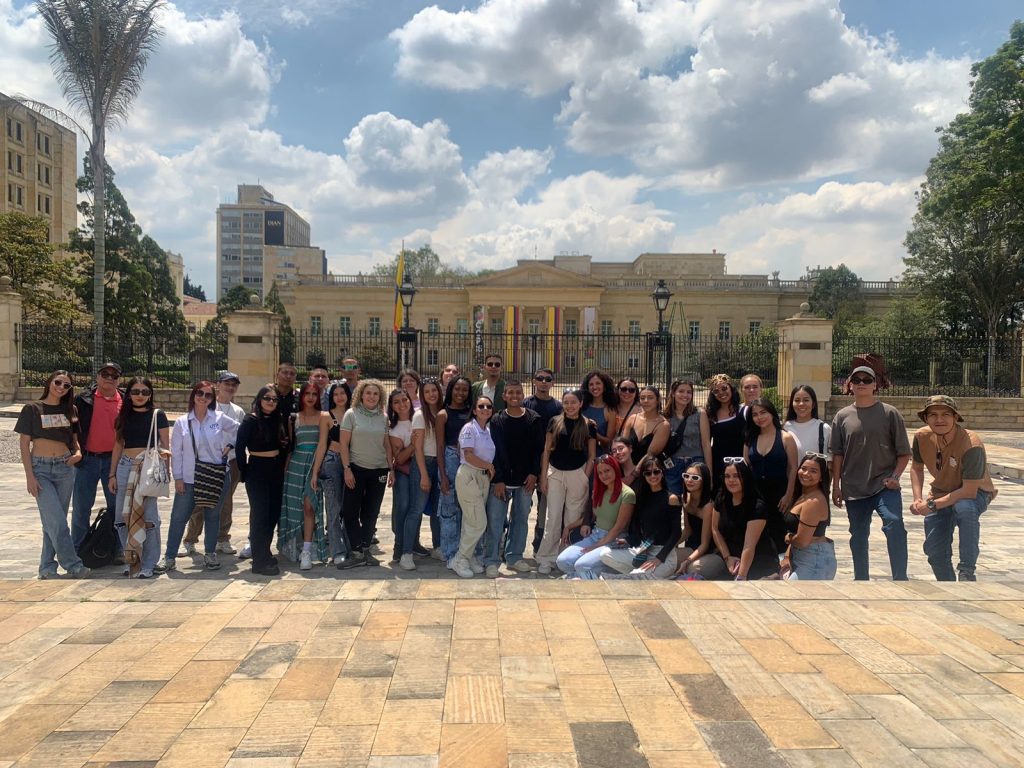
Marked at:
<point>99,52</point>
<point>420,264</point>
<point>837,294</point>
<point>193,289</point>
<point>286,339</point>
<point>966,244</point>
<point>26,256</point>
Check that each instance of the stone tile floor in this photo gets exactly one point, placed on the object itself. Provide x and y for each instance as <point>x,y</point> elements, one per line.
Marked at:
<point>387,669</point>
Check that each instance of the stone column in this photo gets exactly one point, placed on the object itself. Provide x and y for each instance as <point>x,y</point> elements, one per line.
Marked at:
<point>10,352</point>
<point>253,347</point>
<point>805,355</point>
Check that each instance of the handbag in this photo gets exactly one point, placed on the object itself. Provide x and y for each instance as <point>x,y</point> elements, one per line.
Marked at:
<point>155,479</point>
<point>675,439</point>
<point>209,481</point>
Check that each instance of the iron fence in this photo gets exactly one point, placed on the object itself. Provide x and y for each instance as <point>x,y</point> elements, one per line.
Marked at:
<point>926,365</point>
<point>169,361</point>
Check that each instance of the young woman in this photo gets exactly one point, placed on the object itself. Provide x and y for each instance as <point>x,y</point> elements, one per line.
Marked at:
<point>260,451</point>
<point>613,502</point>
<point>472,483</point>
<point>367,461</point>
<point>811,433</point>
<point>654,529</point>
<point>626,391</point>
<point>697,556</point>
<point>49,452</point>
<point>685,423</point>
<point>810,554</point>
<point>405,520</point>
<point>302,512</point>
<point>454,414</point>
<point>647,430</point>
<point>206,435</point>
<point>409,382</point>
<point>738,525</point>
<point>622,451</point>
<point>327,471</point>
<point>723,431</point>
<point>771,454</point>
<point>568,460</point>
<point>131,439</point>
<point>599,405</point>
<point>423,478</point>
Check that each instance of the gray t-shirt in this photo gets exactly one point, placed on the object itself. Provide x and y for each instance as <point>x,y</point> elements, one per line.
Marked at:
<point>366,450</point>
<point>869,440</point>
<point>691,445</point>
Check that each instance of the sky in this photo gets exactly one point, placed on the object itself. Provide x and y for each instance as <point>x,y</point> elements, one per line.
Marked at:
<point>785,133</point>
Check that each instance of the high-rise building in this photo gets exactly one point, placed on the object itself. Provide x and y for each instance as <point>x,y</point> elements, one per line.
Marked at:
<point>38,168</point>
<point>260,240</point>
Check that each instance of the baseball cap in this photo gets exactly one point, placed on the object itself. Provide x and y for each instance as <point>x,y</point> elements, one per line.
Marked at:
<point>228,376</point>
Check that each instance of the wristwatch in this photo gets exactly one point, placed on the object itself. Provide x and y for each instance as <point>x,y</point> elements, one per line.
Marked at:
<point>930,504</point>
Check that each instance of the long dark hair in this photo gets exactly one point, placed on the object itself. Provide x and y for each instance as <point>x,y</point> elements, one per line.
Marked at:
<point>826,480</point>
<point>343,385</point>
<point>670,403</point>
<point>67,400</point>
<point>270,426</point>
<point>747,485</point>
<point>644,492</point>
<point>752,429</point>
<point>196,390</point>
<point>711,408</point>
<point>127,406</point>
<point>610,395</point>
<point>451,389</point>
<point>791,412</point>
<point>428,415</point>
<point>705,481</point>
<point>391,412</point>
<point>581,429</point>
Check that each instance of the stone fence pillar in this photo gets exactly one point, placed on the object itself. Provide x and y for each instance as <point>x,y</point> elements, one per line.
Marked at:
<point>805,356</point>
<point>10,348</point>
<point>253,347</point>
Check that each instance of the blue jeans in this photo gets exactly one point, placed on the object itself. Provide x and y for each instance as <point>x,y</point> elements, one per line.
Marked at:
<point>518,525</point>
<point>405,515</point>
<point>89,471</point>
<point>448,508</point>
<point>938,537</point>
<point>816,561</point>
<point>573,562</point>
<point>426,503</point>
<point>151,545</point>
<point>674,474</point>
<point>334,491</point>
<point>56,483</point>
<point>181,511</point>
<point>889,505</point>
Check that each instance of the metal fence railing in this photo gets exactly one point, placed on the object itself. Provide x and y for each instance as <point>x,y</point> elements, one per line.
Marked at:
<point>173,361</point>
<point>925,365</point>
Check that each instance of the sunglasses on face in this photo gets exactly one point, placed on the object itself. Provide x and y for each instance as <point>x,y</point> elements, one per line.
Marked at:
<point>722,390</point>
<point>62,384</point>
<point>691,478</point>
<point>349,367</point>
<point>493,365</point>
<point>140,393</point>
<point>545,379</point>
<point>268,399</point>
<point>627,390</point>
<point>862,380</point>
<point>732,460</point>
<point>208,395</point>
<point>652,473</point>
<point>113,376</point>
<point>485,407</point>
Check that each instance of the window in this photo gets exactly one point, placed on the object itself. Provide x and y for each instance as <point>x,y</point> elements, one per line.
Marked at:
<point>755,327</point>
<point>14,129</point>
<point>432,357</point>
<point>345,325</point>
<point>606,327</point>
<point>43,204</point>
<point>314,325</point>
<point>724,330</point>
<point>634,327</point>
<point>461,325</point>
<point>433,326</point>
<point>570,327</point>
<point>374,326</point>
<point>570,360</point>
<point>43,173</point>
<point>533,325</point>
<point>633,362</point>
<point>15,162</point>
<point>496,325</point>
<point>694,330</point>
<point>43,143</point>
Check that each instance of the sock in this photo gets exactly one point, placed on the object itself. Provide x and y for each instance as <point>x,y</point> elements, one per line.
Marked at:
<point>307,546</point>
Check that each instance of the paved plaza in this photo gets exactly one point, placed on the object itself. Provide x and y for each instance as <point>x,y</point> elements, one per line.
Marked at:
<point>382,668</point>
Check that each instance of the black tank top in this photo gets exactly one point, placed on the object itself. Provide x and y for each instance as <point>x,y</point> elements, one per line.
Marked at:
<point>793,524</point>
<point>457,418</point>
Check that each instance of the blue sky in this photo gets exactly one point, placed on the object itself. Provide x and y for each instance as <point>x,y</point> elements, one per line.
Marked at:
<point>786,134</point>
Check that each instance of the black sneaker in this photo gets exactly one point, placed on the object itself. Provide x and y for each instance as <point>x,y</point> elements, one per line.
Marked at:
<point>538,537</point>
<point>267,570</point>
<point>419,550</point>
<point>370,559</point>
<point>351,560</point>
<point>375,540</point>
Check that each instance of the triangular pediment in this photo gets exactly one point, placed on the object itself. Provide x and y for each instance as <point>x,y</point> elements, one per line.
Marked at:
<point>534,275</point>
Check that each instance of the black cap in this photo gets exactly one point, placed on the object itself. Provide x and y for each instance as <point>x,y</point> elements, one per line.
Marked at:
<point>113,366</point>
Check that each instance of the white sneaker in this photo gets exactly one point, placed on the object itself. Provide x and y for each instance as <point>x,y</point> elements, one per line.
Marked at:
<point>436,553</point>
<point>491,572</point>
<point>544,569</point>
<point>521,566</point>
<point>210,562</point>
<point>246,552</point>
<point>226,548</point>
<point>462,568</point>
<point>450,564</point>
<point>476,565</point>
<point>406,563</point>
<point>190,548</point>
<point>306,560</point>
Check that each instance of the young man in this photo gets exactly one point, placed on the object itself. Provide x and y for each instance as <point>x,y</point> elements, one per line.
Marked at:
<point>961,488</point>
<point>518,435</point>
<point>492,385</point>
<point>351,371</point>
<point>870,450</point>
<point>286,393</point>
<point>98,408</point>
<point>227,388</point>
<point>547,407</point>
<point>322,379</point>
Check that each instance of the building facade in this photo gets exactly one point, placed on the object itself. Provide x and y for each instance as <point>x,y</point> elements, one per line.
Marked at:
<point>260,240</point>
<point>39,168</point>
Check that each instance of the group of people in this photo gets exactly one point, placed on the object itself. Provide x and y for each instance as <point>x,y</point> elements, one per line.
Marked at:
<point>626,484</point>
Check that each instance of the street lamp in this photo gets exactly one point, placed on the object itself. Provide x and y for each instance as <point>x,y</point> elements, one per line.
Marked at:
<point>661,297</point>
<point>407,292</point>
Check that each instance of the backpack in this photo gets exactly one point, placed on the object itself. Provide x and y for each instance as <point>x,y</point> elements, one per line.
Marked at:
<point>99,547</point>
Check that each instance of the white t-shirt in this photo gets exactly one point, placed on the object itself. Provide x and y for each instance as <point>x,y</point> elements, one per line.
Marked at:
<point>235,413</point>
<point>429,439</point>
<point>806,435</point>
<point>403,430</point>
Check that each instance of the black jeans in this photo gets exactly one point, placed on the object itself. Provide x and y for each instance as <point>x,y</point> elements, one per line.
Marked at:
<point>264,482</point>
<point>361,505</point>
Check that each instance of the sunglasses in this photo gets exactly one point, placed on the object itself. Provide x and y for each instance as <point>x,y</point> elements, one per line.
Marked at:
<point>269,399</point>
<point>732,460</point>
<point>688,476</point>
<point>816,455</point>
<point>485,407</point>
<point>62,384</point>
<point>627,390</point>
<point>721,390</point>
<point>652,473</point>
<point>140,393</point>
<point>349,367</point>
<point>492,364</point>
<point>208,395</point>
<point>862,380</point>
<point>112,376</point>
<point>545,379</point>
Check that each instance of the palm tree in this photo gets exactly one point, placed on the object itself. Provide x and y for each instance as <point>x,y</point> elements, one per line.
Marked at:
<point>100,49</point>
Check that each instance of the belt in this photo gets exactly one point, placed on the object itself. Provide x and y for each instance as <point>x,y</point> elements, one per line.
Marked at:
<point>104,455</point>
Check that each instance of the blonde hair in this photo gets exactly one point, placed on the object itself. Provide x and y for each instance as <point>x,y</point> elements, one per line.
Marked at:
<point>357,396</point>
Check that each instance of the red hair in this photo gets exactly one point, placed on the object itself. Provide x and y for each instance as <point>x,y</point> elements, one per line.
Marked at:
<point>309,386</point>
<point>599,487</point>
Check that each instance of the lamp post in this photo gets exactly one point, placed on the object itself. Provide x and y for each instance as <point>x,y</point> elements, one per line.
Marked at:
<point>407,336</point>
<point>662,295</point>
<point>407,292</point>
<point>660,340</point>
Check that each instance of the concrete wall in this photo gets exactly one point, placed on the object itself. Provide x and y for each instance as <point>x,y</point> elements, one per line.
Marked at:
<point>978,412</point>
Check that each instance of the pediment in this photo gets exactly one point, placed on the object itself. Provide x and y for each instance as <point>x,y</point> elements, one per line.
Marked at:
<point>534,275</point>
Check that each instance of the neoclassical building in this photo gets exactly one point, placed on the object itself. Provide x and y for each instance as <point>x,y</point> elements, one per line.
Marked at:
<point>571,294</point>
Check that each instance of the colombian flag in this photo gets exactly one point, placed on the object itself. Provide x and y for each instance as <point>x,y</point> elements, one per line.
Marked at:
<point>399,274</point>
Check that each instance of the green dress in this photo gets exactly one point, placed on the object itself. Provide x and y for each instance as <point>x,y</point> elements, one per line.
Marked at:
<point>296,489</point>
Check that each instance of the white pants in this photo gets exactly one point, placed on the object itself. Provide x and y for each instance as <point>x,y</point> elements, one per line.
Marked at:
<point>621,560</point>
<point>567,501</point>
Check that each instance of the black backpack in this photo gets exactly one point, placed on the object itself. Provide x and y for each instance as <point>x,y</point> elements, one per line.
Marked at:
<point>99,547</point>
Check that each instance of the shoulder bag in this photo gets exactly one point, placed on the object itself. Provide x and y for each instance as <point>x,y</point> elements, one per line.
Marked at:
<point>155,479</point>
<point>209,482</point>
